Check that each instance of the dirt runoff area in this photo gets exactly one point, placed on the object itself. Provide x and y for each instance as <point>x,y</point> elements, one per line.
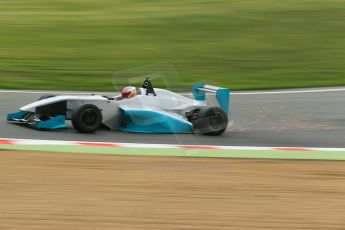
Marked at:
<point>80,191</point>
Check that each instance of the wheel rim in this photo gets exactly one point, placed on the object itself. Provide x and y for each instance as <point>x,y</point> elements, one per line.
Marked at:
<point>89,117</point>
<point>215,121</point>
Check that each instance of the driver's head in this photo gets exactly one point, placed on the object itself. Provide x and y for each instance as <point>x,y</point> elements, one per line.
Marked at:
<point>128,92</point>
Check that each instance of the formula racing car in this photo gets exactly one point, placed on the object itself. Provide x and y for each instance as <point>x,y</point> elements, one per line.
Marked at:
<point>151,110</point>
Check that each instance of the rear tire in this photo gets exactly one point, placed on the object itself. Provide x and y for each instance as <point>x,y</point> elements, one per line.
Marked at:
<point>87,118</point>
<point>211,121</point>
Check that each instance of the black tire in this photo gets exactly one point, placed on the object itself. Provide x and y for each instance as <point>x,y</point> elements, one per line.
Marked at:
<point>87,118</point>
<point>45,96</point>
<point>210,121</point>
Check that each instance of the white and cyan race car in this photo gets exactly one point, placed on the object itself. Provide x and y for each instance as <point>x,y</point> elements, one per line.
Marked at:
<point>153,110</point>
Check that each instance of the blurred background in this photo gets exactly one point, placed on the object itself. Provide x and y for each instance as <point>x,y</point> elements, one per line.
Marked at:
<point>241,44</point>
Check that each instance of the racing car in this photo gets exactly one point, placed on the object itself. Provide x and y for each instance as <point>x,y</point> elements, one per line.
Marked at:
<point>151,110</point>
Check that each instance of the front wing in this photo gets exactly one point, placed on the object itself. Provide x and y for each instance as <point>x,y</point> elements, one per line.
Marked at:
<point>32,120</point>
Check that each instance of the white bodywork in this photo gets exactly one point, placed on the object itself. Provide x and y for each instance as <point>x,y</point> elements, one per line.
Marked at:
<point>166,102</point>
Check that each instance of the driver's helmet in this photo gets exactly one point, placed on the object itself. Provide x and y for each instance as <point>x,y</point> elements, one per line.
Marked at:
<point>128,92</point>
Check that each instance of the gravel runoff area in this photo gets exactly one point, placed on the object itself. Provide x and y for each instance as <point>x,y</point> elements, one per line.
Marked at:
<point>79,191</point>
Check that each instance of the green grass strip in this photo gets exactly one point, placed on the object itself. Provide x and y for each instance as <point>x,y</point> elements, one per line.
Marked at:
<point>301,155</point>
<point>257,44</point>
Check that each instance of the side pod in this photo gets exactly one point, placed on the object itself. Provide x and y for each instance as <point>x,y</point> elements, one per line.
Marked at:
<point>153,121</point>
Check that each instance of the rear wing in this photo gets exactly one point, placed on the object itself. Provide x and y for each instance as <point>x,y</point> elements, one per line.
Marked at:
<point>222,94</point>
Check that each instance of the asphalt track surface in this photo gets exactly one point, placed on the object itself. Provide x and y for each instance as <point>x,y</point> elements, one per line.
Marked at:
<point>311,118</point>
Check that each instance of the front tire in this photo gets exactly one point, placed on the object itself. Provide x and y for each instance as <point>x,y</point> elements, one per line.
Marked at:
<point>87,118</point>
<point>210,121</point>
